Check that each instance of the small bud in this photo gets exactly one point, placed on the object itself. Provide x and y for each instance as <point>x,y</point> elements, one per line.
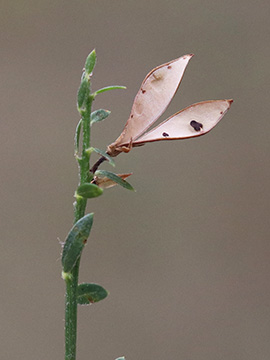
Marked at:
<point>90,62</point>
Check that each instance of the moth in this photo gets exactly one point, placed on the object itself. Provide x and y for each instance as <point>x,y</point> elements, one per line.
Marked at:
<point>153,98</point>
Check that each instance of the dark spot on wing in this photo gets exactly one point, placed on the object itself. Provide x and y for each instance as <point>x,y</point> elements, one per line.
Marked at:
<point>221,112</point>
<point>131,115</point>
<point>196,125</point>
<point>169,67</point>
<point>143,91</point>
<point>165,134</point>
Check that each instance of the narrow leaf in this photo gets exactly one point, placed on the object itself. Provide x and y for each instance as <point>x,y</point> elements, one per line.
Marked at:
<point>99,115</point>
<point>90,62</point>
<point>114,178</point>
<point>77,135</point>
<point>90,293</point>
<point>82,92</point>
<point>89,191</point>
<point>103,153</point>
<point>107,88</point>
<point>106,183</point>
<point>76,241</point>
<point>121,358</point>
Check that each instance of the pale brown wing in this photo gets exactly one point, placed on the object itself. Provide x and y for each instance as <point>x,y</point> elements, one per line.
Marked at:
<point>154,96</point>
<point>106,183</point>
<point>195,120</point>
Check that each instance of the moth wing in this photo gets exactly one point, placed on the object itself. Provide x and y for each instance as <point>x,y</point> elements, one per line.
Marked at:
<point>106,183</point>
<point>154,96</point>
<point>195,120</point>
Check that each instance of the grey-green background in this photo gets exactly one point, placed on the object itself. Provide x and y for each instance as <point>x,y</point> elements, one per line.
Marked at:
<point>186,257</point>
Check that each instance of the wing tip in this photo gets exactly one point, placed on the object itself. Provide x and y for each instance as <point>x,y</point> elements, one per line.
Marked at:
<point>186,57</point>
<point>230,101</point>
<point>189,56</point>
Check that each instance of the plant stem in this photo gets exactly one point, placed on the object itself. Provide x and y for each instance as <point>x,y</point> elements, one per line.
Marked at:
<point>79,211</point>
<point>71,314</point>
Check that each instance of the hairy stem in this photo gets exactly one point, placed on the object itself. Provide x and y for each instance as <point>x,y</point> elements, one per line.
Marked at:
<point>79,212</point>
<point>71,314</point>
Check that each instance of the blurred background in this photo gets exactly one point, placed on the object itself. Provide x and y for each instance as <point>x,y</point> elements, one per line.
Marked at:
<point>186,257</point>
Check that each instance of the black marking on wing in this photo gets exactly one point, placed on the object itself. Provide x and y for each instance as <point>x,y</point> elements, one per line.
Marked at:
<point>196,125</point>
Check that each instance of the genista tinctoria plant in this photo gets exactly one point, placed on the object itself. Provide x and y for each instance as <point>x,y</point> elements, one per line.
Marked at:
<point>152,99</point>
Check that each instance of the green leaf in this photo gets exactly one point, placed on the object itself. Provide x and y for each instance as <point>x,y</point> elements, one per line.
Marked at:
<point>76,241</point>
<point>99,115</point>
<point>83,93</point>
<point>114,178</point>
<point>121,358</point>
<point>90,293</point>
<point>89,190</point>
<point>90,62</point>
<point>77,135</point>
<point>103,153</point>
<point>108,88</point>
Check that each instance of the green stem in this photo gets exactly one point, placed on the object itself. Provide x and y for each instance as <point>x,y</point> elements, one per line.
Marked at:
<point>79,211</point>
<point>71,314</point>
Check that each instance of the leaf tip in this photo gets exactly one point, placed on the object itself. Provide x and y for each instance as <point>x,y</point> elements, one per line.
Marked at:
<point>90,62</point>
